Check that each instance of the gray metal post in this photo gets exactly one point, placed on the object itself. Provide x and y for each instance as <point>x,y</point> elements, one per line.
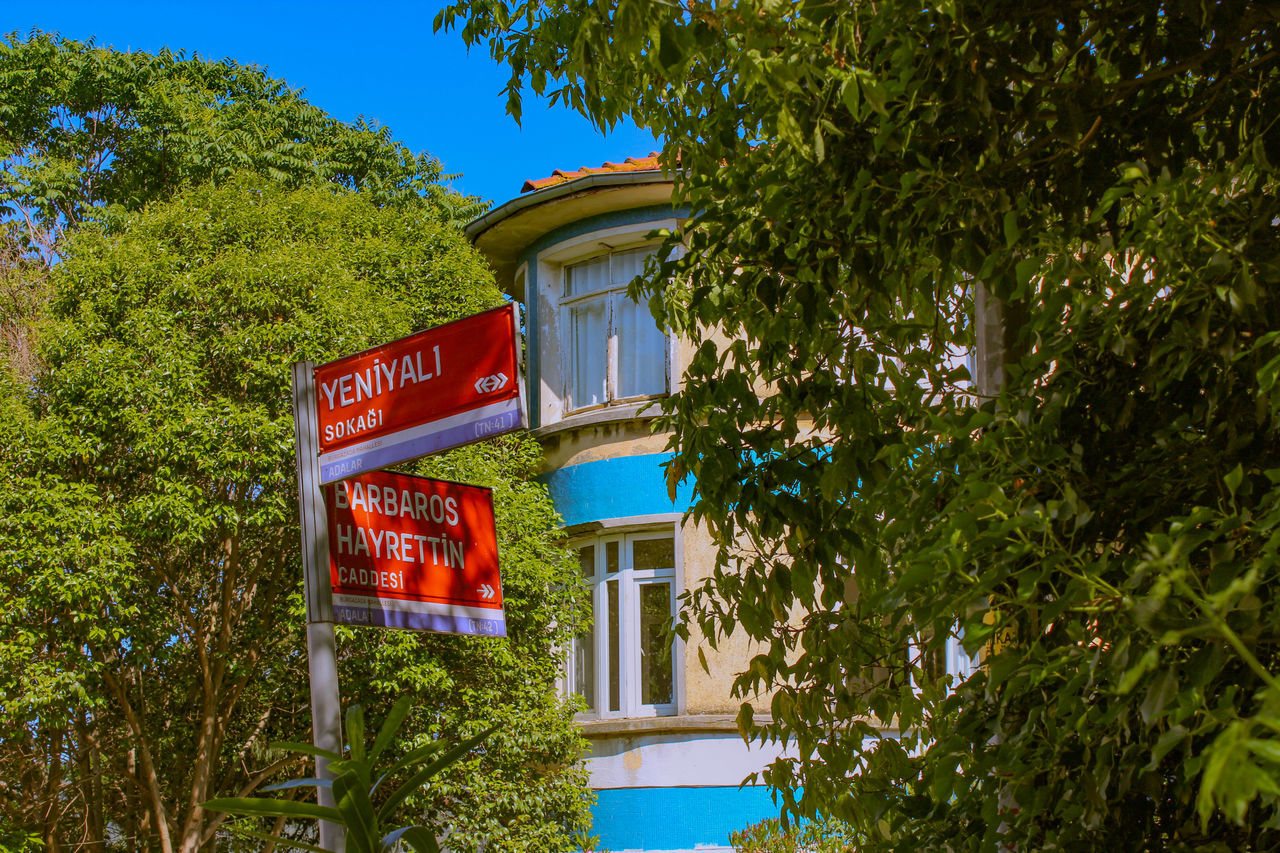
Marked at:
<point>326,709</point>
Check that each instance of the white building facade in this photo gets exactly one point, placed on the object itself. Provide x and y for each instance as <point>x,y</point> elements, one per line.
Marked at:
<point>666,761</point>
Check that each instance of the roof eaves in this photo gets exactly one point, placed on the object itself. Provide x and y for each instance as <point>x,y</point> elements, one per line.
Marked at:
<point>598,180</point>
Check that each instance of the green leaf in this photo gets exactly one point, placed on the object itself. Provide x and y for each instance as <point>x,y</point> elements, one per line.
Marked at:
<point>355,732</point>
<point>390,726</point>
<point>419,838</point>
<point>875,94</point>
<point>1158,696</point>
<point>1233,478</point>
<point>670,51</point>
<point>1266,749</point>
<point>258,807</point>
<point>358,816</point>
<point>1011,230</point>
<point>413,757</point>
<point>1173,737</point>
<point>416,781</point>
<point>306,749</point>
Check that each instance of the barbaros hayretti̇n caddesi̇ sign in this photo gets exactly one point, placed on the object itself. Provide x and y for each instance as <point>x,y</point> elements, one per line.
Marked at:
<point>409,552</point>
<point>441,388</point>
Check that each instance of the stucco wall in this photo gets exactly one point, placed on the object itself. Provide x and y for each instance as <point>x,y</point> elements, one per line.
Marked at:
<point>709,691</point>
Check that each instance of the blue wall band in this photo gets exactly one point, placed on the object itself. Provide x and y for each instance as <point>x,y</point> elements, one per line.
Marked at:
<point>676,818</point>
<point>615,488</point>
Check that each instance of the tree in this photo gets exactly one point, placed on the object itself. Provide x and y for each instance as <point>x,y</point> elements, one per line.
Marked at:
<point>88,134</point>
<point>86,128</point>
<point>151,615</point>
<point>1104,177</point>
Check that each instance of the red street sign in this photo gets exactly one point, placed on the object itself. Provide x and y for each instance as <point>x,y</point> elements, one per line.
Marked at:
<point>408,552</point>
<point>434,390</point>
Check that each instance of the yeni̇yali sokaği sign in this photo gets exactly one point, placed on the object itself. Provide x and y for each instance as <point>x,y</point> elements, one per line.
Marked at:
<point>440,388</point>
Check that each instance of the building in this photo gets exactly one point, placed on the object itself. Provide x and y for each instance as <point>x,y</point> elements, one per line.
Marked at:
<point>666,759</point>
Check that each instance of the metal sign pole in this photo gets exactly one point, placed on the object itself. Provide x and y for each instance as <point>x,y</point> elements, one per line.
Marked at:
<point>326,713</point>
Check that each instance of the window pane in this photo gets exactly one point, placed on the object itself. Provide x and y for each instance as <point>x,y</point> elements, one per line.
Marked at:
<point>611,557</point>
<point>587,561</point>
<point>653,554</point>
<point>587,345</point>
<point>584,645</point>
<point>615,647</point>
<point>933,663</point>
<point>655,651</point>
<point>642,351</point>
<point>584,664</point>
<point>628,265</point>
<point>586,277</point>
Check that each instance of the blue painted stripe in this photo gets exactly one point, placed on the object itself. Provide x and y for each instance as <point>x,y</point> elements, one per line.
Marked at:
<point>676,818</point>
<point>615,488</point>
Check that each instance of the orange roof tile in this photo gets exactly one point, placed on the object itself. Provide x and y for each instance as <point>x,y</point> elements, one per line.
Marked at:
<point>560,176</point>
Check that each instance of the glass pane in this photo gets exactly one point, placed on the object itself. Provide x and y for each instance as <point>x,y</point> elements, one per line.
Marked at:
<point>587,561</point>
<point>933,662</point>
<point>653,553</point>
<point>584,664</point>
<point>627,265</point>
<point>615,646</point>
<point>642,351</point>
<point>587,277</point>
<point>587,345</point>
<point>611,557</point>
<point>584,645</point>
<point>655,651</point>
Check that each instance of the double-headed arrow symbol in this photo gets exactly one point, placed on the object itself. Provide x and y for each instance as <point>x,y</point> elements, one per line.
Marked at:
<point>486,384</point>
<point>486,591</point>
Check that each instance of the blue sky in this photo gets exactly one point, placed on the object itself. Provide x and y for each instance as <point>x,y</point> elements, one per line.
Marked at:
<point>383,62</point>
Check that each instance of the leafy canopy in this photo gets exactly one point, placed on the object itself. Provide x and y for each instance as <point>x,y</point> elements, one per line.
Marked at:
<point>1104,175</point>
<point>86,132</point>
<point>151,615</point>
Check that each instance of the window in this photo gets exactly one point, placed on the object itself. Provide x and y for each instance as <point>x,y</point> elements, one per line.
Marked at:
<point>937,662</point>
<point>616,352</point>
<point>624,666</point>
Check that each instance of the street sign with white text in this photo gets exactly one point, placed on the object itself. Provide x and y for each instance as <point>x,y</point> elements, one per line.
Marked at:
<point>434,390</point>
<point>409,552</point>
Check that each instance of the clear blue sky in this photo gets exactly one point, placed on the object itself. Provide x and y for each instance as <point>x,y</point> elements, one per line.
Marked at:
<point>382,61</point>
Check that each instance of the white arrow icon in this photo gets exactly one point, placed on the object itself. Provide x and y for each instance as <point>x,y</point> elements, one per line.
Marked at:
<point>486,384</point>
<point>486,591</point>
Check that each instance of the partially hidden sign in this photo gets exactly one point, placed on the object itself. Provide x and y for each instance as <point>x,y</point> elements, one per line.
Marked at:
<point>409,552</point>
<point>441,388</point>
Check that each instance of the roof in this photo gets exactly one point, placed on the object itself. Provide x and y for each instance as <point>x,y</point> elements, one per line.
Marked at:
<point>561,176</point>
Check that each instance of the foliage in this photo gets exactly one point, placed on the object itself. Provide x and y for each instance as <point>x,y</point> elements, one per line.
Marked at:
<point>151,619</point>
<point>84,128</point>
<point>771,836</point>
<point>1104,175</point>
<point>88,134</point>
<point>355,783</point>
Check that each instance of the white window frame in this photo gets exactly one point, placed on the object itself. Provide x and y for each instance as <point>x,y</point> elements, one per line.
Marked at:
<point>957,663</point>
<point>611,296</point>
<point>630,582</point>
